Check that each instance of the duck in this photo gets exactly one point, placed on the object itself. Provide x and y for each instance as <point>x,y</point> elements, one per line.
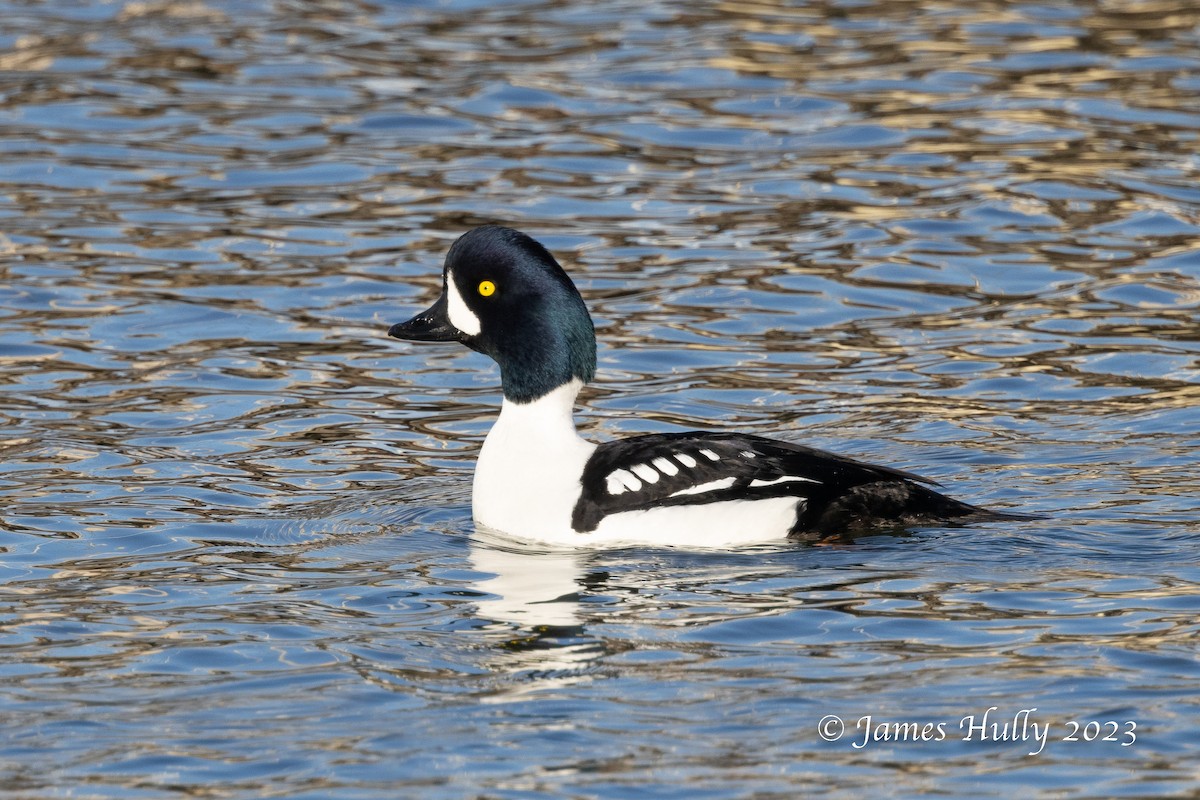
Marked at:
<point>536,479</point>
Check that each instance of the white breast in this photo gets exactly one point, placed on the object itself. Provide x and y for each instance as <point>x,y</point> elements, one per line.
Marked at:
<point>527,478</point>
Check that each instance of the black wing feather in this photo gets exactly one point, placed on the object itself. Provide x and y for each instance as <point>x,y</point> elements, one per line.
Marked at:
<point>838,493</point>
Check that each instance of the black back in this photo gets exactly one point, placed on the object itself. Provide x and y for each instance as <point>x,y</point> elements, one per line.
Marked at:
<point>839,494</point>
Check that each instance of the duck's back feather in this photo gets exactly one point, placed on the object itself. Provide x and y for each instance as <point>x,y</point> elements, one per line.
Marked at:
<point>834,494</point>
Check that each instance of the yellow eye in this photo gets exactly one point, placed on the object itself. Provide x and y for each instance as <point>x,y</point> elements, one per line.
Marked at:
<point>487,288</point>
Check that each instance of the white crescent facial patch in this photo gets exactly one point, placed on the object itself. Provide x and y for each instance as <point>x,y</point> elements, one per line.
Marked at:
<point>461,317</point>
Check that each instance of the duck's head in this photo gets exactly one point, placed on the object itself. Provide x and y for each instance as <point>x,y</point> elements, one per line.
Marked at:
<point>505,296</point>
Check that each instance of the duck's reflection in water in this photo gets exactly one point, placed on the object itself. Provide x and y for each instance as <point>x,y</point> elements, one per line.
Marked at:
<point>537,591</point>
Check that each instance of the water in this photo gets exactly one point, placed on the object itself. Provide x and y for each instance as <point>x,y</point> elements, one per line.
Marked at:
<point>237,559</point>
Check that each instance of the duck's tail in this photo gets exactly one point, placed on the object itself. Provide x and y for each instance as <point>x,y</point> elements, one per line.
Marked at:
<point>891,504</point>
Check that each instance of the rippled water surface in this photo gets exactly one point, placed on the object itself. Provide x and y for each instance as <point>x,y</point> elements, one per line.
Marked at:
<point>236,557</point>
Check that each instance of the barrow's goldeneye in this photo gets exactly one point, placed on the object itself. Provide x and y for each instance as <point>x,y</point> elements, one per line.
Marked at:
<point>505,296</point>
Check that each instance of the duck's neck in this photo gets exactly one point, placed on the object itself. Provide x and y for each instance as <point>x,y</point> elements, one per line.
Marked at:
<point>547,421</point>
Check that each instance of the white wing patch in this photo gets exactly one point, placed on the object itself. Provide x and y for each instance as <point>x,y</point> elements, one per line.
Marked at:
<point>665,466</point>
<point>756,483</point>
<point>461,317</point>
<point>645,472</point>
<point>633,479</point>
<point>621,480</point>
<point>711,486</point>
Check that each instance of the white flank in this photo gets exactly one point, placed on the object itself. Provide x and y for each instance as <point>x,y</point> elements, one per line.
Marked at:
<point>784,479</point>
<point>665,466</point>
<point>645,472</point>
<point>461,317</point>
<point>711,486</point>
<point>726,523</point>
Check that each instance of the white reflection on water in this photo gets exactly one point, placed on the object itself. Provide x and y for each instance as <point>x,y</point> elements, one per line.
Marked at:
<point>532,586</point>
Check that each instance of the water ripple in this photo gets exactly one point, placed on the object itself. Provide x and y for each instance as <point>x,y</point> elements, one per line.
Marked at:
<point>236,557</point>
